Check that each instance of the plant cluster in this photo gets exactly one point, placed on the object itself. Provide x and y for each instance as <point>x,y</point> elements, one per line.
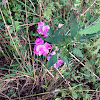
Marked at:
<point>49,49</point>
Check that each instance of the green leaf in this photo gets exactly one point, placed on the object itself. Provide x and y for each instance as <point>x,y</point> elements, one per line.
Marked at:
<point>65,73</point>
<point>88,65</point>
<point>47,13</point>
<point>74,27</point>
<point>57,36</point>
<point>88,36</point>
<point>44,86</point>
<point>63,94</point>
<point>52,61</point>
<point>15,65</point>
<point>6,34</point>
<point>15,38</point>
<point>96,51</point>
<point>11,30</point>
<point>88,15</point>
<point>51,33</point>
<point>74,94</point>
<point>11,42</point>
<point>65,60</point>
<point>75,77</point>
<point>77,52</point>
<point>86,75</point>
<point>86,96</point>
<point>63,53</point>
<point>56,39</point>
<point>14,9</point>
<point>57,4</point>
<point>62,30</point>
<point>17,25</point>
<point>91,29</point>
<point>97,43</point>
<point>70,88</point>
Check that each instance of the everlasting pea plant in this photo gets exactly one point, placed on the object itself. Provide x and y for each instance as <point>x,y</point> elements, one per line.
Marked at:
<point>42,48</point>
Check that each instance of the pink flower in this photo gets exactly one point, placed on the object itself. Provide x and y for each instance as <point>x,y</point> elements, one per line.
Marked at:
<point>47,45</point>
<point>40,30</point>
<point>39,41</point>
<point>46,28</point>
<point>46,34</point>
<point>40,48</point>
<point>35,51</point>
<point>43,29</point>
<point>51,54</point>
<point>41,23</point>
<point>55,65</point>
<point>59,63</point>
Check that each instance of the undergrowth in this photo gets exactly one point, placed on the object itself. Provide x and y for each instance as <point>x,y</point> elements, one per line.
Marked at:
<point>58,60</point>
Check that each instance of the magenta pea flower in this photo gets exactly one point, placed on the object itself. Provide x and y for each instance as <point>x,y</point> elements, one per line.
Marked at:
<point>43,29</point>
<point>59,63</point>
<point>46,28</point>
<point>40,30</point>
<point>39,41</point>
<point>41,48</point>
<point>46,34</point>
<point>48,46</point>
<point>41,23</point>
<point>51,54</point>
<point>35,51</point>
